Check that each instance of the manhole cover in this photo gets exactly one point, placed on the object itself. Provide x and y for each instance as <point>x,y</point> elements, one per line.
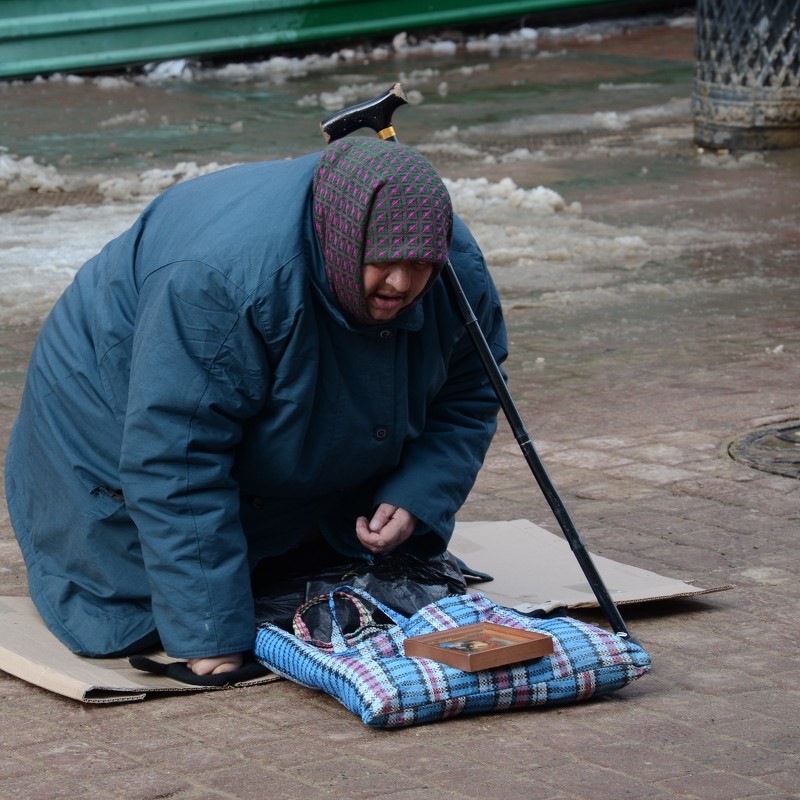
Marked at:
<point>775,449</point>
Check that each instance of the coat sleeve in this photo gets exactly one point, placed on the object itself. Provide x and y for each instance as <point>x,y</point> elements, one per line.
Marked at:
<point>197,372</point>
<point>439,468</point>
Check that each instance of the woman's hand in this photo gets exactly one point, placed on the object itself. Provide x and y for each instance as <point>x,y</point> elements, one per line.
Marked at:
<point>214,665</point>
<point>389,527</point>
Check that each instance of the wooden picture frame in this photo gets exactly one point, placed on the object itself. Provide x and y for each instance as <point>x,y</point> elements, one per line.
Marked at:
<point>482,645</point>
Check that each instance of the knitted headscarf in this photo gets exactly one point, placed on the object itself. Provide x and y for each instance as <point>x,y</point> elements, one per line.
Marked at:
<point>377,201</point>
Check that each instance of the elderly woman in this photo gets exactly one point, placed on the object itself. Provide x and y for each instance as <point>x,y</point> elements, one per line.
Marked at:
<point>265,357</point>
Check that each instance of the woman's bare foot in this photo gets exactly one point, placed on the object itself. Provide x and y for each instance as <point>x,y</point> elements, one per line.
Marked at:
<point>215,665</point>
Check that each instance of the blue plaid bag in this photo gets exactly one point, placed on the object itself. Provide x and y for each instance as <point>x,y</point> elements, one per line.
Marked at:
<point>368,673</point>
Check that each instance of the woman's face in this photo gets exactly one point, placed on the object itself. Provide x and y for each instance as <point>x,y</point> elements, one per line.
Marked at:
<point>392,286</point>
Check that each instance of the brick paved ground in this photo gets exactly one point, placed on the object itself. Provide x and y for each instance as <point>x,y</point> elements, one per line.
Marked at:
<point>632,404</point>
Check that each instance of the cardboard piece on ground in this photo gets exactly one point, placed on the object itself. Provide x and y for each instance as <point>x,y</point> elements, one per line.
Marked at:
<point>544,572</point>
<point>29,651</point>
<point>532,568</point>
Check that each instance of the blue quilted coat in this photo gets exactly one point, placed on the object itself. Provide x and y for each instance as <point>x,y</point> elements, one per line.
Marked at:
<point>197,401</point>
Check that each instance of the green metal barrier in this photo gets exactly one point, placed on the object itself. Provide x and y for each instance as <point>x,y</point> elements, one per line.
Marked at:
<point>47,36</point>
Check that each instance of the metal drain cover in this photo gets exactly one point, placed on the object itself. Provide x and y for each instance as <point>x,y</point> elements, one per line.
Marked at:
<point>775,449</point>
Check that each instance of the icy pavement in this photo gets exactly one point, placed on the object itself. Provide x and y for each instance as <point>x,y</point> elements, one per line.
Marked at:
<point>508,117</point>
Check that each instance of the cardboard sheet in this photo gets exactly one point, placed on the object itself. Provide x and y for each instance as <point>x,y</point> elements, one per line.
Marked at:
<point>29,651</point>
<point>544,572</point>
<point>532,568</point>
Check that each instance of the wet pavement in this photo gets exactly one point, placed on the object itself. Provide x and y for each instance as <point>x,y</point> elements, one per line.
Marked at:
<point>649,326</point>
<point>212,112</point>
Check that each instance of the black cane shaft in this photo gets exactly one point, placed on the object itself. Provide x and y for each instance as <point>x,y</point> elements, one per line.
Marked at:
<point>535,464</point>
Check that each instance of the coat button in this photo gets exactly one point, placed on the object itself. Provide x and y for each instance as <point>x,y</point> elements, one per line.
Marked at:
<point>385,334</point>
<point>380,432</point>
<point>257,502</point>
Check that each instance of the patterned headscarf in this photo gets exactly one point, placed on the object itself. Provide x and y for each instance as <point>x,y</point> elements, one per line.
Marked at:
<point>377,201</point>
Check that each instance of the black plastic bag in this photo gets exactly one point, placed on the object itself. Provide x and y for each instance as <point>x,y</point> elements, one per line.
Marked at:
<point>402,581</point>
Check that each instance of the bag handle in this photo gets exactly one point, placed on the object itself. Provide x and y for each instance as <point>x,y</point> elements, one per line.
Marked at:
<point>299,624</point>
<point>394,616</point>
<point>358,597</point>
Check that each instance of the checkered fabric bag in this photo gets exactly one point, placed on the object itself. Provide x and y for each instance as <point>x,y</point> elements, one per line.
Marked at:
<point>372,678</point>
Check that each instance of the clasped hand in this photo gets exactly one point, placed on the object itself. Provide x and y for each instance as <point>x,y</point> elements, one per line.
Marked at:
<point>389,527</point>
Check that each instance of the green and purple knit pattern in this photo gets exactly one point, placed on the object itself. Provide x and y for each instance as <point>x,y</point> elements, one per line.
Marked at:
<point>377,202</point>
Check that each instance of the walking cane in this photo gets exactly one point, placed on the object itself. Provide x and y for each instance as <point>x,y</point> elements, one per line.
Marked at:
<point>377,115</point>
